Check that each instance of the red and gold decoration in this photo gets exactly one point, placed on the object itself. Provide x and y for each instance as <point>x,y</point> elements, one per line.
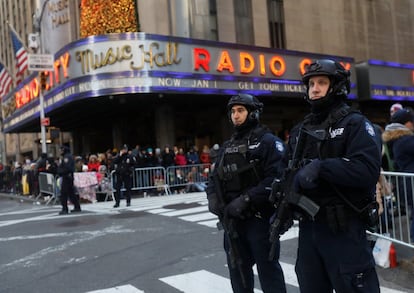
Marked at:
<point>107,16</point>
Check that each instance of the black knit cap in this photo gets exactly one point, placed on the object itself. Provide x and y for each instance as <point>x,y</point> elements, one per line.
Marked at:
<point>402,116</point>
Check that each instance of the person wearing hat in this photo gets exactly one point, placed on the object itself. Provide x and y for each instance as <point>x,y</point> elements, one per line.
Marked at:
<point>399,137</point>
<point>394,108</point>
<point>245,166</point>
<point>65,170</point>
<point>340,159</point>
<point>124,166</point>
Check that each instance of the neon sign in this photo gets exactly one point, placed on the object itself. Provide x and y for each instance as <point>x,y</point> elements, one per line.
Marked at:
<point>228,67</point>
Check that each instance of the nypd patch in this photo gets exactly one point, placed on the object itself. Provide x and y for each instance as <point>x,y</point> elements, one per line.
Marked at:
<point>369,128</point>
<point>279,146</point>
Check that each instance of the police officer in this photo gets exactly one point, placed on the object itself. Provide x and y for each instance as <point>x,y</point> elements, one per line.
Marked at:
<point>245,165</point>
<point>124,165</point>
<point>65,171</point>
<point>342,153</point>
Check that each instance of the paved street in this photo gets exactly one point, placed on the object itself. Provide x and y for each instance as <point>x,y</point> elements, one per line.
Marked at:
<point>159,244</point>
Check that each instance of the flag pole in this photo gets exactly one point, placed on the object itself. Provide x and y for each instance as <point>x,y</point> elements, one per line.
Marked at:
<point>16,34</point>
<point>38,21</point>
<point>41,98</point>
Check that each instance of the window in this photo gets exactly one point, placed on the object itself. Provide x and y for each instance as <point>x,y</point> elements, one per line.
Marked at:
<point>276,24</point>
<point>244,22</point>
<point>213,20</point>
<point>203,19</point>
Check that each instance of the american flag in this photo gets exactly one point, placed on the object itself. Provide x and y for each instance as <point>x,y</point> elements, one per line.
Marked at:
<point>5,81</point>
<point>20,53</point>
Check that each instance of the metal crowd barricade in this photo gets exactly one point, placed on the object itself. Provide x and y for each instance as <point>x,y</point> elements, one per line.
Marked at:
<point>146,179</point>
<point>395,222</point>
<point>48,185</point>
<point>175,179</point>
<point>187,178</point>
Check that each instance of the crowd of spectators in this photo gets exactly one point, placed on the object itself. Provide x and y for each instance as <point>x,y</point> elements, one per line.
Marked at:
<point>22,177</point>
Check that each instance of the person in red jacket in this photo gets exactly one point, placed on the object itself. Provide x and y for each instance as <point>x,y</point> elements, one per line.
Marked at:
<point>180,158</point>
<point>93,163</point>
<point>205,157</point>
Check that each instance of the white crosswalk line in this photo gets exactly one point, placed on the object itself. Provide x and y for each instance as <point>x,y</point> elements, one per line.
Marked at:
<point>186,211</point>
<point>288,272</point>
<point>201,282</point>
<point>388,290</point>
<point>199,217</point>
<point>159,211</point>
<point>210,223</point>
<point>292,233</point>
<point>118,289</point>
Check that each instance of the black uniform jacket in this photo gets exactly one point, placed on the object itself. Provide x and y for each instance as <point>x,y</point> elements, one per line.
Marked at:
<point>269,151</point>
<point>350,159</point>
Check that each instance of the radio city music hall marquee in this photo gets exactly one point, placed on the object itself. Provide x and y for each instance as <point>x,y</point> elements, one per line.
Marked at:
<point>143,63</point>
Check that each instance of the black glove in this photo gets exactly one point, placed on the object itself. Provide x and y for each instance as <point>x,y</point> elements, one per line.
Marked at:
<point>307,177</point>
<point>285,223</point>
<point>238,206</point>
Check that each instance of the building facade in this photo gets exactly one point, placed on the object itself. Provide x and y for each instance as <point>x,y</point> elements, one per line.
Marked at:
<point>178,104</point>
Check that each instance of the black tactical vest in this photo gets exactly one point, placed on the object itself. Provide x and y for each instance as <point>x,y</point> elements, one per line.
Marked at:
<point>236,170</point>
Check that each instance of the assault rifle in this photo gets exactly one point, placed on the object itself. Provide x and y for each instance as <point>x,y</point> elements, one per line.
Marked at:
<point>228,225</point>
<point>285,199</point>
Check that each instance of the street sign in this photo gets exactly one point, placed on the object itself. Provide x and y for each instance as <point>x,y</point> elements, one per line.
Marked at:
<point>45,121</point>
<point>41,62</point>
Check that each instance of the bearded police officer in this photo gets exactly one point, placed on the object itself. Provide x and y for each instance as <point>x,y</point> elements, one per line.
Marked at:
<point>65,170</point>
<point>245,165</point>
<point>341,165</point>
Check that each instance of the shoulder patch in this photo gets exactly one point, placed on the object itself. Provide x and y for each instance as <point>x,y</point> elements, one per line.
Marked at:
<point>369,128</point>
<point>279,146</point>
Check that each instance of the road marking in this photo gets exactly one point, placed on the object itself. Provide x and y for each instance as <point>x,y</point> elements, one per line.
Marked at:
<point>33,259</point>
<point>199,217</point>
<point>289,274</point>
<point>153,205</point>
<point>31,219</point>
<point>210,223</point>
<point>119,289</point>
<point>159,211</point>
<point>292,233</point>
<point>201,282</point>
<point>388,290</point>
<point>186,211</point>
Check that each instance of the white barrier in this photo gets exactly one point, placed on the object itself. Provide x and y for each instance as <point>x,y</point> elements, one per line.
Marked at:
<point>396,220</point>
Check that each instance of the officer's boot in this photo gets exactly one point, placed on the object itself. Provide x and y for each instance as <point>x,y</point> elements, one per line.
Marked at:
<point>128,199</point>
<point>117,198</point>
<point>117,201</point>
<point>64,211</point>
<point>77,209</point>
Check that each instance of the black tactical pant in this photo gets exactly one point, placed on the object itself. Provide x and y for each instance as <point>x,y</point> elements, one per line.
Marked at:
<point>126,181</point>
<point>67,191</point>
<point>254,247</point>
<point>342,261</point>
